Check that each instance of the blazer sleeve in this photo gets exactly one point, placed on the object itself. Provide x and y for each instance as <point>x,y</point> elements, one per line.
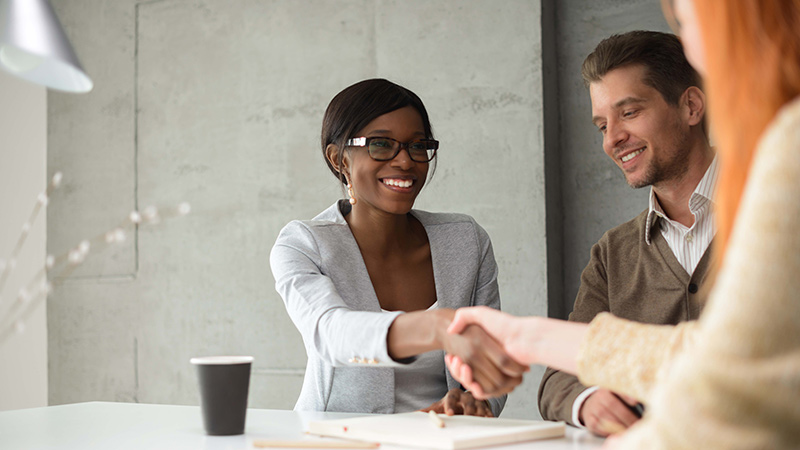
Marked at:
<point>558,390</point>
<point>487,293</point>
<point>331,330</point>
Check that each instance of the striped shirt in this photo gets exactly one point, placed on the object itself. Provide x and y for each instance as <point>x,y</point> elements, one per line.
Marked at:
<point>688,243</point>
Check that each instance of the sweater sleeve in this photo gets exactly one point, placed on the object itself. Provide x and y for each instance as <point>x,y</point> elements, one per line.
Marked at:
<point>630,357</point>
<point>736,386</point>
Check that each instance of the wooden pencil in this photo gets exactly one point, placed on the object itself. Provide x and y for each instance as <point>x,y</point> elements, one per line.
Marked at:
<point>436,419</point>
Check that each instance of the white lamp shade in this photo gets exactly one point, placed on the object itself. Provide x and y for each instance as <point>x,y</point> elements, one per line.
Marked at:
<point>33,46</point>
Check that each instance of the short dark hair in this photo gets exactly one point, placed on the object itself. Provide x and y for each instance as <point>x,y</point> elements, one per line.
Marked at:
<point>358,105</point>
<point>661,54</point>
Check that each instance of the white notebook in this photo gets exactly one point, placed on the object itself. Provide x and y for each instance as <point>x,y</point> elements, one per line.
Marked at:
<point>416,429</point>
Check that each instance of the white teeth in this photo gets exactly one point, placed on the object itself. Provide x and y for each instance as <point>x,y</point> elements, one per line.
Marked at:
<point>398,183</point>
<point>630,156</point>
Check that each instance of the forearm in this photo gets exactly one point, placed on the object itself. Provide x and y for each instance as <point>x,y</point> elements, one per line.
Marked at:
<point>553,342</point>
<point>418,332</point>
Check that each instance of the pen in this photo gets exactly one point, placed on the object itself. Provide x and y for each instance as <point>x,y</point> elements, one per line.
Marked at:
<point>637,409</point>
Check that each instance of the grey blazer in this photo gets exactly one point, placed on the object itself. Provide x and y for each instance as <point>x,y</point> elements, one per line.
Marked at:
<point>321,276</point>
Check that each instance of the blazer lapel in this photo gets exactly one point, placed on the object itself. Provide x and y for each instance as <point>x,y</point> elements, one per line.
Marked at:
<point>453,268</point>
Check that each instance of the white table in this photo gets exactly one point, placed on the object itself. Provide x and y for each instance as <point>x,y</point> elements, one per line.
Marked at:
<point>102,425</point>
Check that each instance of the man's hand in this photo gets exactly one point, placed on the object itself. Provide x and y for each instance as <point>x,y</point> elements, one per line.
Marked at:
<point>604,412</point>
<point>492,369</point>
<point>460,402</point>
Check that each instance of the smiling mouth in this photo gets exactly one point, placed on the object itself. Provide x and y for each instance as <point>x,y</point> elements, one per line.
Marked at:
<point>632,155</point>
<point>396,182</point>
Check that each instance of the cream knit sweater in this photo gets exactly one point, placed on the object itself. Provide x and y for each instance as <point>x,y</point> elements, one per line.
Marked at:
<point>732,379</point>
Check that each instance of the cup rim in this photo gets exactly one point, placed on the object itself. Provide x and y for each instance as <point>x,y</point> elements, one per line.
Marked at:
<point>221,360</point>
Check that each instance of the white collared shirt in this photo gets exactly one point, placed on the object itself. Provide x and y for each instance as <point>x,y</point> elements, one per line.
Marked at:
<point>688,244</point>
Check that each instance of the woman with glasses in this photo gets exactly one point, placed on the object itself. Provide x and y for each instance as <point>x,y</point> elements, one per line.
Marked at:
<point>730,380</point>
<point>372,284</point>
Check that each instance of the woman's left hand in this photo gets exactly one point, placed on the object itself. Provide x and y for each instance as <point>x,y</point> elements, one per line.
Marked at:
<point>460,402</point>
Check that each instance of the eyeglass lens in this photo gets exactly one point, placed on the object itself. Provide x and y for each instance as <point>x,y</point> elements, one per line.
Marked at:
<point>384,149</point>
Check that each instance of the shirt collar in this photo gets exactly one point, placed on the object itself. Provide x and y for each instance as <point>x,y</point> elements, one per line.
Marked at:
<point>703,194</point>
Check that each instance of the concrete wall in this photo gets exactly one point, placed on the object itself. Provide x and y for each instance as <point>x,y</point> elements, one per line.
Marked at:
<point>23,355</point>
<point>220,104</point>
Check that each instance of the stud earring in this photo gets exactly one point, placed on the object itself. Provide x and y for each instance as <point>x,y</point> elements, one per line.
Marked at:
<point>350,191</point>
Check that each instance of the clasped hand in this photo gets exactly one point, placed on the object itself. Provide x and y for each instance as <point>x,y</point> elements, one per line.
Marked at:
<point>492,369</point>
<point>462,403</point>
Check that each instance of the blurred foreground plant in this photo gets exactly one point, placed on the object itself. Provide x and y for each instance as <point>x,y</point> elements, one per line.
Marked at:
<point>15,310</point>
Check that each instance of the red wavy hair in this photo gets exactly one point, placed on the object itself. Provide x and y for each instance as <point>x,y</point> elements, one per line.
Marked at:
<point>752,59</point>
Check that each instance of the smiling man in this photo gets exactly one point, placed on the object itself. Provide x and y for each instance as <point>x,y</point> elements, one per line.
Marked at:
<point>649,108</point>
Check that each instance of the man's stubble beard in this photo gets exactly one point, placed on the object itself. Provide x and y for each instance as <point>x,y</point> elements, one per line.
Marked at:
<point>669,171</point>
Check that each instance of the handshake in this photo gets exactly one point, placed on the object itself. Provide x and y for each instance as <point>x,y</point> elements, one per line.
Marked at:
<point>486,351</point>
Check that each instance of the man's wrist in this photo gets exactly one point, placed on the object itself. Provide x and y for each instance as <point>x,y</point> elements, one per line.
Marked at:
<point>578,404</point>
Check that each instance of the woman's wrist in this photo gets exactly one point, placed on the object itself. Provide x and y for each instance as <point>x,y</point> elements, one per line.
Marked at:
<point>418,332</point>
<point>555,342</point>
<point>441,320</point>
<point>527,339</point>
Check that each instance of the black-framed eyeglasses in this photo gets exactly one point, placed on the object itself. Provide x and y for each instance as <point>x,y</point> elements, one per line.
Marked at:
<point>385,149</point>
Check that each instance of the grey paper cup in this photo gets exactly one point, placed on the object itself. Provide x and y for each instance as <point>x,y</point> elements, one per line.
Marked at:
<point>224,382</point>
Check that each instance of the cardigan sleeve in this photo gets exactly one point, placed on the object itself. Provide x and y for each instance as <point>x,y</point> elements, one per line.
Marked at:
<point>330,328</point>
<point>736,386</point>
